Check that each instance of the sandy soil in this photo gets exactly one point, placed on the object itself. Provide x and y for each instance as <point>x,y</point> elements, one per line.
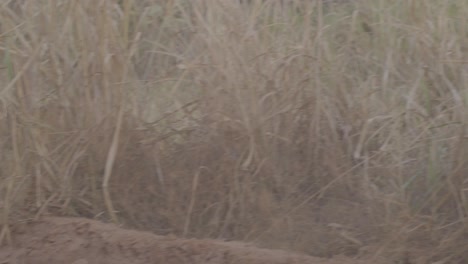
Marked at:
<point>82,241</point>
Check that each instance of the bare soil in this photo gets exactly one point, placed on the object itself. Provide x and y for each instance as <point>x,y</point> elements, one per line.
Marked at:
<point>82,241</point>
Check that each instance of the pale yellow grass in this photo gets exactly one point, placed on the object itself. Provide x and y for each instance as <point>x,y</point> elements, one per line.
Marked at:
<point>317,127</point>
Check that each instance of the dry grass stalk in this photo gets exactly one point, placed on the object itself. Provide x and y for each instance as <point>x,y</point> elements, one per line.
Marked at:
<point>262,121</point>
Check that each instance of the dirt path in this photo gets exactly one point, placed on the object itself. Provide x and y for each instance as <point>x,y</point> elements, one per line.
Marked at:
<point>82,241</point>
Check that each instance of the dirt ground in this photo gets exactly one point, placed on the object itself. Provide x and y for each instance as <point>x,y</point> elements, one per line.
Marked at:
<point>82,241</point>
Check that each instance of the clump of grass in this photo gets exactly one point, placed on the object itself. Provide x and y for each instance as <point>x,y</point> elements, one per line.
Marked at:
<point>328,128</point>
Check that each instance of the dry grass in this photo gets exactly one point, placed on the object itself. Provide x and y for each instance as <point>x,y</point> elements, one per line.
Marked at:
<point>317,127</point>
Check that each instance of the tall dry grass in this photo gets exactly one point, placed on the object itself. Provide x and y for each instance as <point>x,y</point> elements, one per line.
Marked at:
<point>312,126</point>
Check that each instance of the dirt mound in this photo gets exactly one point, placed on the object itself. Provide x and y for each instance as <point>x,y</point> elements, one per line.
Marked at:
<point>82,241</point>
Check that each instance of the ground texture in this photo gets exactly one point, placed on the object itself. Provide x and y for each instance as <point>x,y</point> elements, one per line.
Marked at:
<point>83,241</point>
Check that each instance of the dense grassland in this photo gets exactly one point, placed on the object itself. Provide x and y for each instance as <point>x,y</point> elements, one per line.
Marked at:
<point>305,125</point>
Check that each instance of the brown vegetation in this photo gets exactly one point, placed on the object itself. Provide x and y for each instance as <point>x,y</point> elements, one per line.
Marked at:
<point>320,128</point>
